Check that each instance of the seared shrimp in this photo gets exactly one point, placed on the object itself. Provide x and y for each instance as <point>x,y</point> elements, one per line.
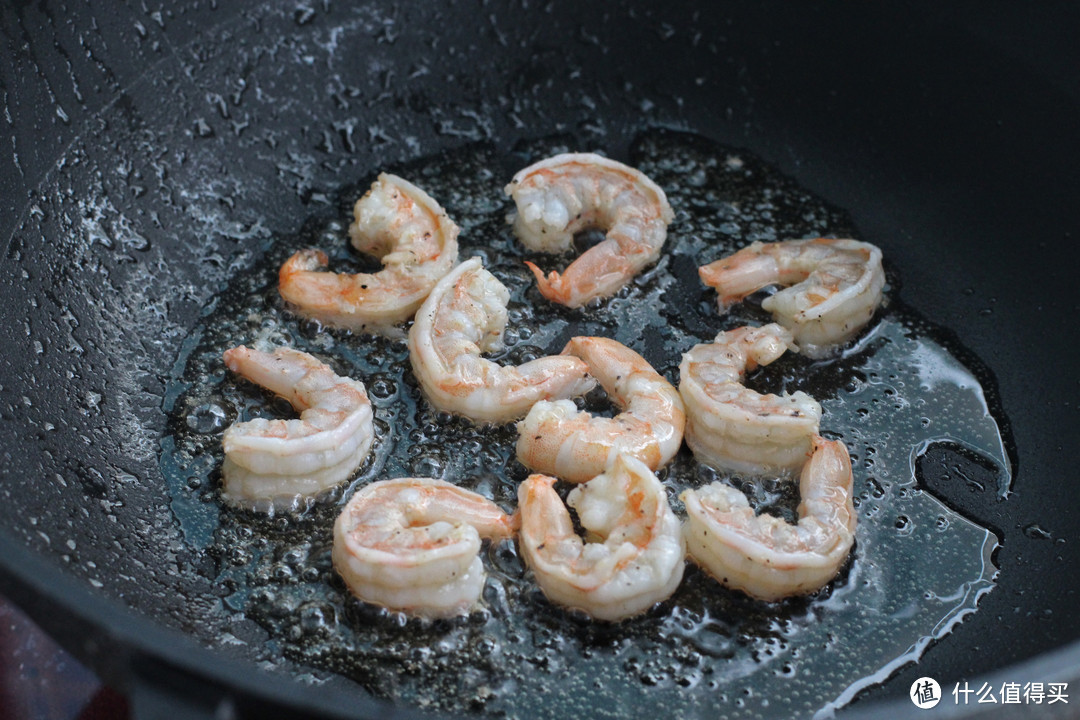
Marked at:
<point>414,238</point>
<point>276,464</point>
<point>558,439</point>
<point>568,193</point>
<point>761,554</point>
<point>732,427</point>
<point>635,556</point>
<point>835,286</point>
<point>464,316</point>
<point>413,544</point>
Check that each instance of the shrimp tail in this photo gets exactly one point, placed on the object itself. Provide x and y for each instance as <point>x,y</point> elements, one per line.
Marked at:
<point>307,260</point>
<point>552,286</point>
<point>739,275</point>
<point>599,272</point>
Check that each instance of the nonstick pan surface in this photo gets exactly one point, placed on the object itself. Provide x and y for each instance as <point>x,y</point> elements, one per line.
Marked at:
<point>157,153</point>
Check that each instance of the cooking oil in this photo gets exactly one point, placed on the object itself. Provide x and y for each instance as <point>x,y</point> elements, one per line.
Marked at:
<point>918,566</point>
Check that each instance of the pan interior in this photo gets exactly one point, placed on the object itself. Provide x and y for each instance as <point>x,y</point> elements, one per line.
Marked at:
<point>895,392</point>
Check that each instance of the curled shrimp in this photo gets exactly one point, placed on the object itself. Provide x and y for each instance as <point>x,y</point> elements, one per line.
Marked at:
<point>464,316</point>
<point>568,193</point>
<point>732,427</point>
<point>558,439</point>
<point>413,544</point>
<point>835,286</point>
<point>276,464</point>
<point>763,555</point>
<point>634,557</point>
<point>408,231</point>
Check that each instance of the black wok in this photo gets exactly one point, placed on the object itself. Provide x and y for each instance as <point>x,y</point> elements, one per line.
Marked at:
<point>155,152</point>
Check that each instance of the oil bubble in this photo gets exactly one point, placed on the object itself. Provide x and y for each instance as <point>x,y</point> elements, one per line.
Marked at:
<point>207,418</point>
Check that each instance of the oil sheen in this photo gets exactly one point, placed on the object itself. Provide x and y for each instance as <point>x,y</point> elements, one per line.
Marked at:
<point>917,568</point>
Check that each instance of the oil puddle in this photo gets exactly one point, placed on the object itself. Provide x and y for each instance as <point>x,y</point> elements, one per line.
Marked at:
<point>897,393</point>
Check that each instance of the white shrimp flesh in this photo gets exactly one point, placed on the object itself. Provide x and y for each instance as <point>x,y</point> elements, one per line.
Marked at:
<point>408,232</point>
<point>634,556</point>
<point>566,194</point>
<point>833,286</point>
<point>731,427</point>
<point>279,464</point>
<point>558,439</point>
<point>764,556</point>
<point>413,544</point>
<point>464,317</point>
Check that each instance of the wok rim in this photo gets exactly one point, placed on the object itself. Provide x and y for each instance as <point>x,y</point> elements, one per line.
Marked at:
<point>131,638</point>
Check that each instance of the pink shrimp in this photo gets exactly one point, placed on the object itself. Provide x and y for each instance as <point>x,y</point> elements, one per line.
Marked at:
<point>568,193</point>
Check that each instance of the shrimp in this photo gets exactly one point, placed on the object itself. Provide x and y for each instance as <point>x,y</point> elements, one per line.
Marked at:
<point>558,439</point>
<point>732,427</point>
<point>835,286</point>
<point>568,193</point>
<point>275,464</point>
<point>413,544</point>
<point>414,238</point>
<point>764,556</point>
<point>636,554</point>
<point>464,316</point>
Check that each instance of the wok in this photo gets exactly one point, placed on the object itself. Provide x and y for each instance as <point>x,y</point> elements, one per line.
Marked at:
<point>155,152</point>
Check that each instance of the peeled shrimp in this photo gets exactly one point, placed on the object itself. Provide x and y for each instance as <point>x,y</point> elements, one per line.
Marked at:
<point>761,554</point>
<point>634,557</point>
<point>732,427</point>
<point>558,439</point>
<point>835,286</point>
<point>276,464</point>
<point>464,316</point>
<point>414,238</point>
<point>413,544</point>
<point>568,193</point>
